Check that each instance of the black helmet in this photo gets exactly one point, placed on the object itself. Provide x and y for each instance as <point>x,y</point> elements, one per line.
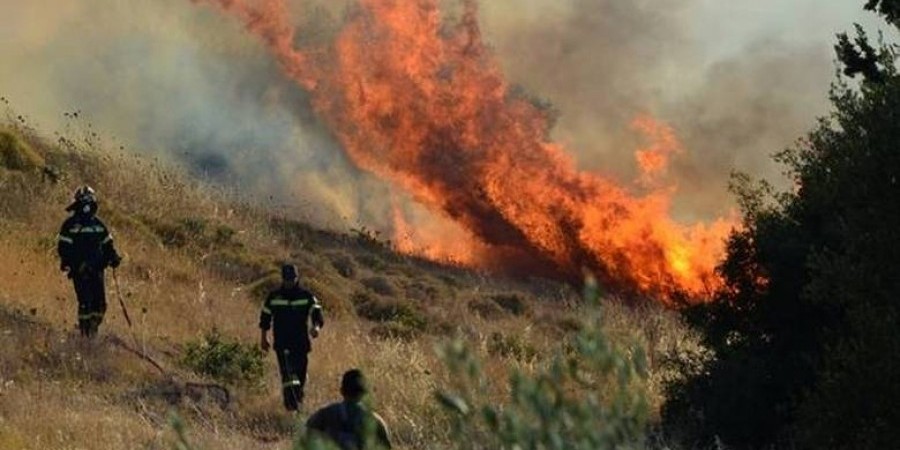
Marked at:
<point>289,272</point>
<point>85,200</point>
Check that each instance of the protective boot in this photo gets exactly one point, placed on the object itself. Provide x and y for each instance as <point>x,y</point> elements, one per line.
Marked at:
<point>84,327</point>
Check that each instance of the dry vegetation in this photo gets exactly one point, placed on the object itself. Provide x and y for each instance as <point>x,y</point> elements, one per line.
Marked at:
<point>197,261</point>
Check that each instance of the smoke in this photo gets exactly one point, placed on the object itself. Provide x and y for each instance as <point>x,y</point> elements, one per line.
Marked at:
<point>748,109</point>
<point>181,81</point>
<point>599,62</point>
<point>737,81</point>
<point>178,82</point>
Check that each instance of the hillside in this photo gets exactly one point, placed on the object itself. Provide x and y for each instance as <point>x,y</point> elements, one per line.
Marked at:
<point>197,263</point>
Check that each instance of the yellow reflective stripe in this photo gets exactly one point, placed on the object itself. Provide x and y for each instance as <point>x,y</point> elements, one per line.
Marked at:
<point>97,229</point>
<point>90,315</point>
<point>291,383</point>
<point>285,302</point>
<point>108,239</point>
<point>67,240</point>
<point>266,310</point>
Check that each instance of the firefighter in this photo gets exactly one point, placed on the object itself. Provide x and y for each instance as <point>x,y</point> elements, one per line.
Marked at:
<point>350,423</point>
<point>288,311</point>
<point>85,250</point>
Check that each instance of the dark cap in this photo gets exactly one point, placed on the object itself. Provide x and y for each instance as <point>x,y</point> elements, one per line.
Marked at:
<point>289,272</point>
<point>353,384</point>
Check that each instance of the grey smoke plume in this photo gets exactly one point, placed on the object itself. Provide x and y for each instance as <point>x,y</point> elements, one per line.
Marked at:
<point>737,80</point>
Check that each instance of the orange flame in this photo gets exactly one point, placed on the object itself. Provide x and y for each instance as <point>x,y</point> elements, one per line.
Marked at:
<point>654,159</point>
<point>433,240</point>
<point>426,106</point>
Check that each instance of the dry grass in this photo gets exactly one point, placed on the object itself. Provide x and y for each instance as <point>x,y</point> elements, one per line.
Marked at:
<point>196,260</point>
<point>16,154</point>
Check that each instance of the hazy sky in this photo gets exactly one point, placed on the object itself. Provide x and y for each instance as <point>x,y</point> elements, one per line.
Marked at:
<point>733,23</point>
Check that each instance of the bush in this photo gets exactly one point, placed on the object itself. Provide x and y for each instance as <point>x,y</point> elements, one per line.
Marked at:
<point>516,304</point>
<point>395,330</point>
<point>344,265</point>
<point>380,285</point>
<point>424,289</point>
<point>372,262</point>
<point>378,309</point>
<point>486,309</point>
<point>226,360</point>
<point>590,397</point>
<point>805,353</point>
<point>511,346</point>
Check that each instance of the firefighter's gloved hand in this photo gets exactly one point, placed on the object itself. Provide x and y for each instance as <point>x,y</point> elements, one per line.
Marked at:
<point>115,261</point>
<point>314,332</point>
<point>63,267</point>
<point>264,344</point>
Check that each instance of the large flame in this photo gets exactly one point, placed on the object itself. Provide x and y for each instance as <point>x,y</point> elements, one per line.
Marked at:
<point>425,105</point>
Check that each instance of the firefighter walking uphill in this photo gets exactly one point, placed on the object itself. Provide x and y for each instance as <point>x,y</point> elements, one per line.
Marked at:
<point>288,311</point>
<point>85,250</point>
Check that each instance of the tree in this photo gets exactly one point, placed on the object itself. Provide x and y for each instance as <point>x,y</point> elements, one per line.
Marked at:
<point>804,333</point>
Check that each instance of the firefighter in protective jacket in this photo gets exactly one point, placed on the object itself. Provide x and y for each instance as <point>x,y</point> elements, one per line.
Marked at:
<point>351,424</point>
<point>288,311</point>
<point>85,250</point>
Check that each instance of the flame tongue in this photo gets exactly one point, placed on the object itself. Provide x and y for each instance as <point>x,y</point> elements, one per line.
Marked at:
<point>427,107</point>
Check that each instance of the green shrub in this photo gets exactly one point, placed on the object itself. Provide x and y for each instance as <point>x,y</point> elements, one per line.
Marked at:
<point>589,398</point>
<point>223,235</point>
<point>805,352</point>
<point>378,309</point>
<point>224,359</point>
<point>510,346</point>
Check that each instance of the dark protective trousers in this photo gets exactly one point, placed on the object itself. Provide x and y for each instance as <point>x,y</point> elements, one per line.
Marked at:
<point>91,294</point>
<point>292,365</point>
